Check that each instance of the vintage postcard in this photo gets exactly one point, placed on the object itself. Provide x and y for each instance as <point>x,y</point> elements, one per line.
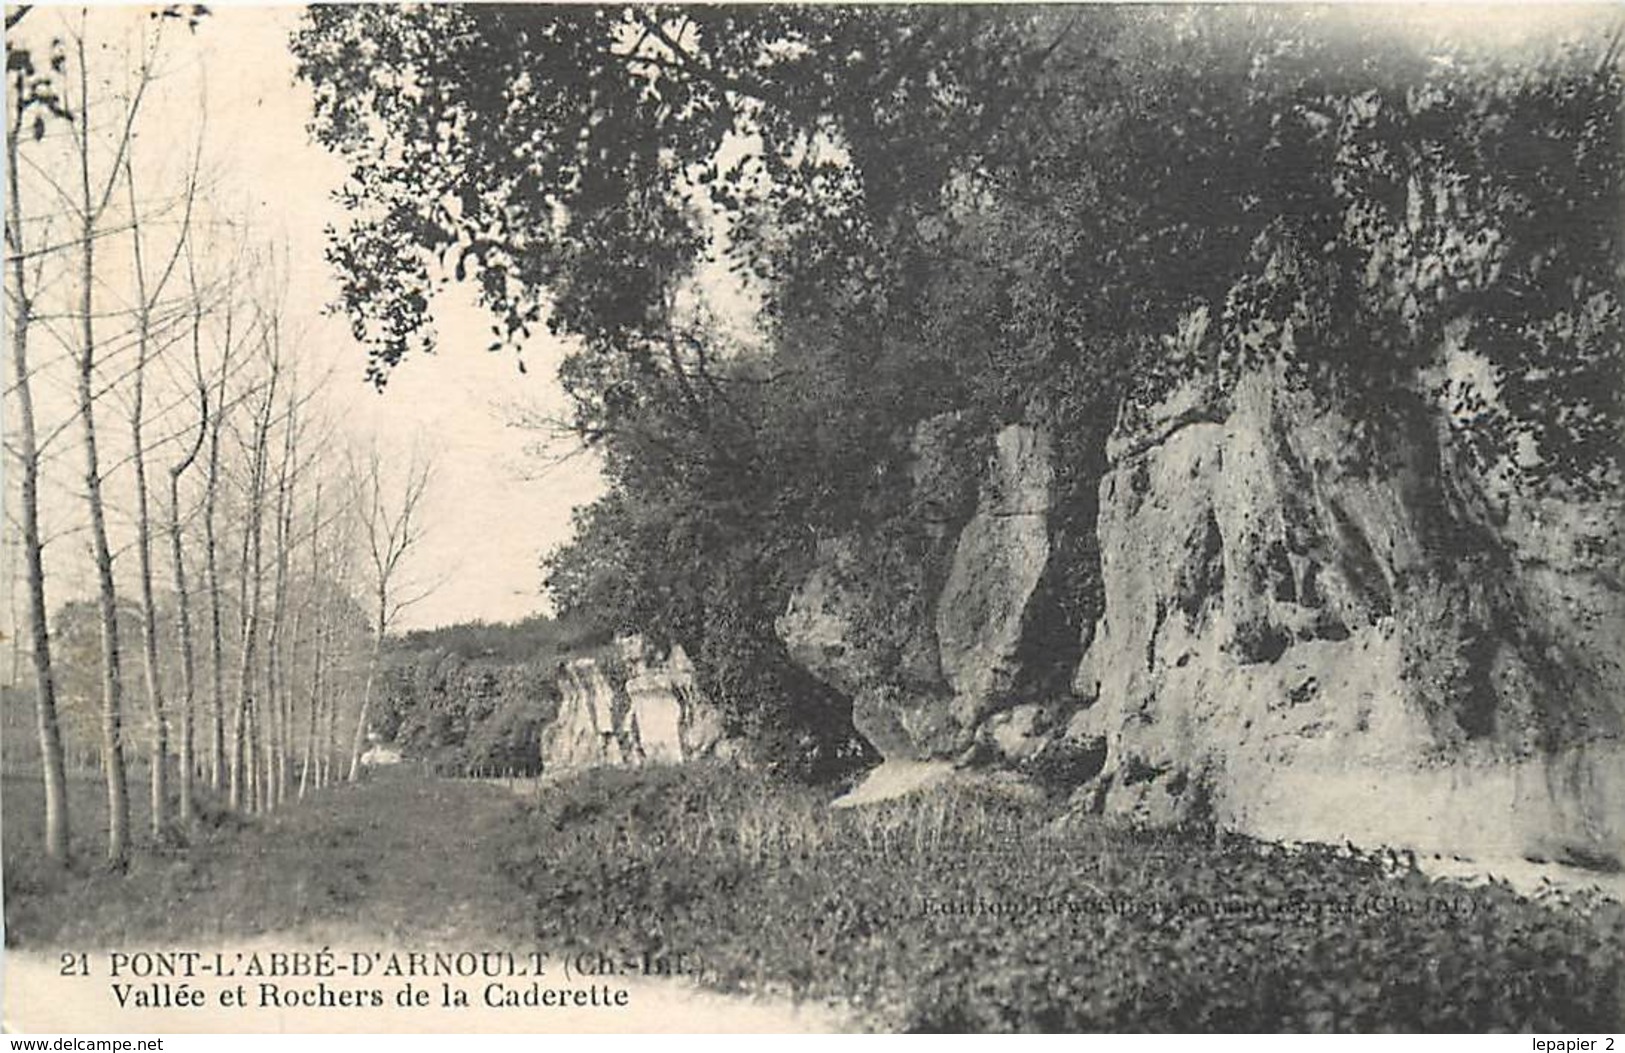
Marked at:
<point>870,518</point>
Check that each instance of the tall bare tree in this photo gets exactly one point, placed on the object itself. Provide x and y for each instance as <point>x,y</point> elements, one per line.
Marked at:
<point>318,634</point>
<point>246,718</point>
<point>335,683</point>
<point>177,556</point>
<point>32,95</point>
<point>279,711</point>
<point>89,207</point>
<point>149,292</point>
<point>211,555</point>
<point>391,525</point>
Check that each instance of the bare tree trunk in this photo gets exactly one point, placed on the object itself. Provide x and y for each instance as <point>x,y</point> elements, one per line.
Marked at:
<point>307,751</point>
<point>147,297</point>
<point>248,596</point>
<point>324,753</point>
<point>211,574</point>
<point>149,606</point>
<point>250,589</point>
<point>183,599</point>
<point>331,736</point>
<point>183,614</point>
<point>265,743</point>
<point>276,758</point>
<point>287,742</point>
<point>45,715</point>
<point>315,709</point>
<point>118,803</point>
<point>317,642</point>
<point>250,748</point>
<point>391,529</point>
<point>366,703</point>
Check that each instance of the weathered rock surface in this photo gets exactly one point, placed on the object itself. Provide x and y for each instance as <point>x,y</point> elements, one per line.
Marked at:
<point>996,569</point>
<point>1316,634</point>
<point>671,720</point>
<point>899,701</point>
<point>921,693</point>
<point>587,731</point>
<point>1310,630</point>
<point>657,714</point>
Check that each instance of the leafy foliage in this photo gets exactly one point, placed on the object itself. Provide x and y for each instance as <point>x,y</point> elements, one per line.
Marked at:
<point>530,639</point>
<point>1001,213</point>
<point>473,698</point>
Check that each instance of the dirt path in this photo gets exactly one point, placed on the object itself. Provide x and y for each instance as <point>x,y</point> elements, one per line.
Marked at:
<point>406,858</point>
<point>402,864</point>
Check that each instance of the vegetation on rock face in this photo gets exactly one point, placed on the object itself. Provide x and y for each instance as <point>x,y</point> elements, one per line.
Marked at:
<point>1003,213</point>
<point>957,911</point>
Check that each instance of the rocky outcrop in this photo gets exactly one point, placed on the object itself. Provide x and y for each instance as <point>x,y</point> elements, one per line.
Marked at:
<point>588,731</point>
<point>921,689</point>
<point>899,701</point>
<point>995,574</point>
<point>1311,629</point>
<point>669,719</point>
<point>1317,632</point>
<point>631,708</point>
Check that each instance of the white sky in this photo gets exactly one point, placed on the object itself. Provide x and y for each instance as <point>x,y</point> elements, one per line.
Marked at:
<point>488,523</point>
<point>490,514</point>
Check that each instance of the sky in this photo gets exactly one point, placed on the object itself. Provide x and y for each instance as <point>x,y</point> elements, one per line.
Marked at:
<point>493,508</point>
<point>492,511</point>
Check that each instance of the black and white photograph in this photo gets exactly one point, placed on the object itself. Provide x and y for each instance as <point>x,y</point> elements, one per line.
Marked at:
<point>814,518</point>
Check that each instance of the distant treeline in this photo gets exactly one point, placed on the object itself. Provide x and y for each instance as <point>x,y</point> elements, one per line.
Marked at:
<point>472,698</point>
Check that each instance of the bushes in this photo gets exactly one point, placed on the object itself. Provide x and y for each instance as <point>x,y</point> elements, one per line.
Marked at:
<point>969,909</point>
<point>467,716</point>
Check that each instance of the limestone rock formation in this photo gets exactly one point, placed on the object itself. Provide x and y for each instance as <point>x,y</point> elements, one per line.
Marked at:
<point>921,693</point>
<point>701,732</point>
<point>587,731</point>
<point>1316,632</point>
<point>656,714</point>
<point>670,720</point>
<point>996,569</point>
<point>1311,629</point>
<point>901,707</point>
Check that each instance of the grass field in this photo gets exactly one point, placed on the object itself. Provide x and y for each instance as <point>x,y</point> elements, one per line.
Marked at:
<point>396,856</point>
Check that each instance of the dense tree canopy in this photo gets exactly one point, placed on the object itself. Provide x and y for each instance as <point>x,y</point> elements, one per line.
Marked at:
<point>1008,213</point>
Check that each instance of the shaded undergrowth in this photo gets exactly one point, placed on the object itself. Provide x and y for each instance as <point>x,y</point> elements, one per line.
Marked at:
<point>983,909</point>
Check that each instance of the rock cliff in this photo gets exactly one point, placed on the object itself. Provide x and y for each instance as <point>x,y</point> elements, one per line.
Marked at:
<point>1313,631</point>
<point>587,732</point>
<point>631,708</point>
<point>1310,630</point>
<point>949,662</point>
